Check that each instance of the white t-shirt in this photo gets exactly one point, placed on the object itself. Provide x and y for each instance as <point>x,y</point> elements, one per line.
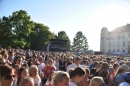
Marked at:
<point>37,82</point>
<point>40,68</point>
<point>72,84</point>
<point>71,66</point>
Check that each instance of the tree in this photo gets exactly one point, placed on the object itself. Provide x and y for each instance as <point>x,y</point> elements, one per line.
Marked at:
<point>40,36</point>
<point>21,27</point>
<point>80,42</point>
<point>5,32</point>
<point>63,35</point>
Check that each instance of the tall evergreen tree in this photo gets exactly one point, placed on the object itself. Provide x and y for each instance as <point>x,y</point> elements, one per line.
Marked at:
<point>80,42</point>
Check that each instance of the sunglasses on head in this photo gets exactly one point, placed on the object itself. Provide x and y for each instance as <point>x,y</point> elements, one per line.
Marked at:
<point>8,77</point>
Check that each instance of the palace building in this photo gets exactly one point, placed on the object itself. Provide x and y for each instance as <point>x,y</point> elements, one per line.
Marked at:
<point>117,40</point>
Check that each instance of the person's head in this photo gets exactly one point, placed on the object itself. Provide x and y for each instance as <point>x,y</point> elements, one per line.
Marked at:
<point>33,71</point>
<point>97,81</point>
<point>112,62</point>
<point>104,66</point>
<point>125,68</point>
<point>77,60</point>
<point>4,54</point>
<point>128,63</point>
<point>87,73</point>
<point>122,69</point>
<point>40,59</point>
<point>50,62</point>
<point>18,60</point>
<point>27,81</point>
<point>126,77</point>
<point>77,74</point>
<point>6,75</point>
<point>108,60</point>
<point>70,59</point>
<point>115,66</point>
<point>96,64</point>
<point>22,73</point>
<point>93,71</point>
<point>86,63</point>
<point>60,78</point>
<point>2,61</point>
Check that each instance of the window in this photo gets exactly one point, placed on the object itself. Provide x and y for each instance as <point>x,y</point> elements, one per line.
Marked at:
<point>129,35</point>
<point>118,36</point>
<point>109,50</point>
<point>123,51</point>
<point>103,44</point>
<point>113,50</point>
<point>128,43</point>
<point>103,50</point>
<point>114,44</point>
<point>123,43</point>
<point>118,44</point>
<point>109,44</point>
<point>124,36</point>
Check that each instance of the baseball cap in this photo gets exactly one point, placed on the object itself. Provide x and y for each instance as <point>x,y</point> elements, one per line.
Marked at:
<point>125,67</point>
<point>126,76</point>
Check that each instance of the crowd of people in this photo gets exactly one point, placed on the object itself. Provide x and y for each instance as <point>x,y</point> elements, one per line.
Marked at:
<point>20,67</point>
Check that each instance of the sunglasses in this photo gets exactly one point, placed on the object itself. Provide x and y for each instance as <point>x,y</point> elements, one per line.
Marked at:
<point>8,77</point>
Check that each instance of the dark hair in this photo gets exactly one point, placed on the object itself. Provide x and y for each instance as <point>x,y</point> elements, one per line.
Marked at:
<point>16,58</point>
<point>103,74</point>
<point>93,71</point>
<point>114,66</point>
<point>19,75</point>
<point>77,71</point>
<point>3,52</point>
<point>87,70</point>
<point>95,63</point>
<point>5,70</point>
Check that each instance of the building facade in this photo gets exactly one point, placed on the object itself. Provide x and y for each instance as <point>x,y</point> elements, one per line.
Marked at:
<point>117,40</point>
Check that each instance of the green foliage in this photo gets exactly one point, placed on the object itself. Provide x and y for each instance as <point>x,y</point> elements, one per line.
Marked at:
<point>18,30</point>
<point>5,32</point>
<point>40,36</point>
<point>80,42</point>
<point>63,35</point>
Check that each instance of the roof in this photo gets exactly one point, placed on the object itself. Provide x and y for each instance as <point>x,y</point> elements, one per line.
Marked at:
<point>125,28</point>
<point>58,40</point>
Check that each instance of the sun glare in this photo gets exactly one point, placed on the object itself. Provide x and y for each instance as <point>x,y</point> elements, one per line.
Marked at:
<point>111,17</point>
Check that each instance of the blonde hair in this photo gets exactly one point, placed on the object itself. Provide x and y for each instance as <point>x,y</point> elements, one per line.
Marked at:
<point>59,77</point>
<point>96,81</point>
<point>26,80</point>
<point>31,68</point>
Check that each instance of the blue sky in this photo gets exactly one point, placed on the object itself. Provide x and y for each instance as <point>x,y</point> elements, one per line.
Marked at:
<point>88,16</point>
